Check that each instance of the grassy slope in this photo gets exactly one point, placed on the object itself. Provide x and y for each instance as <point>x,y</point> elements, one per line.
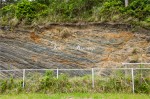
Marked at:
<point>76,96</point>
<point>41,13</point>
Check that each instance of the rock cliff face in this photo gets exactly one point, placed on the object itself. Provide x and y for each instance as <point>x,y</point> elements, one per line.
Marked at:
<point>72,47</point>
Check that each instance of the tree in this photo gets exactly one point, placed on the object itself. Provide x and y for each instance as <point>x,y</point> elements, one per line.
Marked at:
<point>1,3</point>
<point>126,3</point>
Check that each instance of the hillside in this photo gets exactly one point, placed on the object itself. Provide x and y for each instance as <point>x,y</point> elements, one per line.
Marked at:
<point>72,46</point>
<point>41,12</point>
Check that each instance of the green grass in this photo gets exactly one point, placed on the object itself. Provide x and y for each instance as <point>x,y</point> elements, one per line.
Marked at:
<point>75,96</point>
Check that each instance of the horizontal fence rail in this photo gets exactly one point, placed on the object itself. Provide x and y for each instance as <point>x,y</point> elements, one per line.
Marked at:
<point>136,63</point>
<point>70,69</point>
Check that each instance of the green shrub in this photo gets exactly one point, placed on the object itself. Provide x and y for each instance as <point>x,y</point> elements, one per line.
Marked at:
<point>142,86</point>
<point>47,80</point>
<point>147,19</point>
<point>48,83</point>
<point>8,10</point>
<point>43,11</point>
<point>30,10</point>
<point>139,9</point>
<point>3,85</point>
<point>6,84</point>
<point>6,14</point>
<point>47,2</point>
<point>110,9</point>
<point>73,8</point>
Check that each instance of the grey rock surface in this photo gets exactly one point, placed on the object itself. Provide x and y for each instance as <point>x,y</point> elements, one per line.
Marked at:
<point>82,48</point>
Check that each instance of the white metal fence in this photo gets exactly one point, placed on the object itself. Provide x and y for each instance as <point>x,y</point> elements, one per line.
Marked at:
<point>30,76</point>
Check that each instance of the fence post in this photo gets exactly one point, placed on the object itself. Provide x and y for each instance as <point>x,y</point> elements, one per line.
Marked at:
<point>23,85</point>
<point>57,73</point>
<point>132,71</point>
<point>125,69</point>
<point>125,66</point>
<point>92,78</point>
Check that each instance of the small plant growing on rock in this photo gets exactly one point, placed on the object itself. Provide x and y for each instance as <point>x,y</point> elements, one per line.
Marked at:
<point>135,51</point>
<point>65,35</point>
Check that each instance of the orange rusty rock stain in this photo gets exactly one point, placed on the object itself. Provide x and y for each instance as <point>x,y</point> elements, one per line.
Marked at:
<point>43,33</point>
<point>143,44</point>
<point>35,37</point>
<point>109,49</point>
<point>34,58</point>
<point>105,58</point>
<point>112,58</point>
<point>45,43</point>
<point>125,35</point>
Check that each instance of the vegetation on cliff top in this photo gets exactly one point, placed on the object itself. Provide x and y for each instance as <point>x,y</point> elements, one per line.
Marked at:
<point>45,11</point>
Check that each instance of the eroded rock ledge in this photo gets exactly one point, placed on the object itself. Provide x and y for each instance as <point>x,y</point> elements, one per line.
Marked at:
<point>64,46</point>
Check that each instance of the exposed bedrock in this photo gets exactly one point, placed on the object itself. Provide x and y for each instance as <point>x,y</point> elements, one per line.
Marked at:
<point>68,47</point>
